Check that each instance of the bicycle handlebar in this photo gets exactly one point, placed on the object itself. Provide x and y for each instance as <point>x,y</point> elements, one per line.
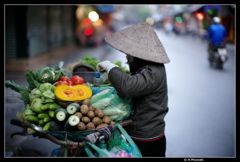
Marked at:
<point>41,132</point>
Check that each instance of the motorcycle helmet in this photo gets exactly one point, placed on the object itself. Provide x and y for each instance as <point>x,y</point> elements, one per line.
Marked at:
<point>216,20</point>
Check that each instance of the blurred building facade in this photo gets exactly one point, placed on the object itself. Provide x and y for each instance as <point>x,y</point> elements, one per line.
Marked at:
<point>32,30</point>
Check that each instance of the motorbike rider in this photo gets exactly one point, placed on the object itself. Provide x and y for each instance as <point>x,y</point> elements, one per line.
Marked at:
<point>146,85</point>
<point>217,34</point>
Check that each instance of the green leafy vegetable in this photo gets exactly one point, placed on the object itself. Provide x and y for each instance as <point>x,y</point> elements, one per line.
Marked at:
<point>31,79</point>
<point>35,93</point>
<point>46,86</point>
<point>90,60</point>
<point>50,74</point>
<point>28,111</point>
<point>45,74</point>
<point>59,71</point>
<point>23,91</point>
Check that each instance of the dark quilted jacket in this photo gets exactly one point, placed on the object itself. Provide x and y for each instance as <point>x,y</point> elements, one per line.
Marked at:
<point>148,90</point>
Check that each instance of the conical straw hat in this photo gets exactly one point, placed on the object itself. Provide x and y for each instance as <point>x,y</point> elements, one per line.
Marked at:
<point>139,41</point>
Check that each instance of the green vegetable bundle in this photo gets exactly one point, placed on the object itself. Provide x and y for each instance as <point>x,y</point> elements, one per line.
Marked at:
<point>41,116</point>
<point>38,96</point>
<point>41,107</point>
<point>90,60</point>
<point>34,79</point>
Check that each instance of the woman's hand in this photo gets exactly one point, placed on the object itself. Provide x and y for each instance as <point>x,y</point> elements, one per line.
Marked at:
<point>105,66</point>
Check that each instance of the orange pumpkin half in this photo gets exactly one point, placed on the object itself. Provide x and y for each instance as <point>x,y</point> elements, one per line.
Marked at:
<point>73,93</point>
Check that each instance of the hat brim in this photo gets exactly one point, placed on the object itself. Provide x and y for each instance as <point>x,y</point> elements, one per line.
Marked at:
<point>139,41</point>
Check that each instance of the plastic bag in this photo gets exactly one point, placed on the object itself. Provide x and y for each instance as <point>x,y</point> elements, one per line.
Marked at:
<point>99,88</point>
<point>120,144</point>
<point>111,104</point>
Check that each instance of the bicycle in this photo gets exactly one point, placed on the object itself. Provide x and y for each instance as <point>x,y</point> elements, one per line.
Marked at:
<point>71,143</point>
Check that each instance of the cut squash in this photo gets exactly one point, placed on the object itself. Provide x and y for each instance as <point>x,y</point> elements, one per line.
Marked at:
<point>73,93</point>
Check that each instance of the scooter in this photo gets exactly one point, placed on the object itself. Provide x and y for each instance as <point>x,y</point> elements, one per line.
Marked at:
<point>218,57</point>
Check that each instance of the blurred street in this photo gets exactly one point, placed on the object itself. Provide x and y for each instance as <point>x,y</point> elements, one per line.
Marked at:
<point>201,118</point>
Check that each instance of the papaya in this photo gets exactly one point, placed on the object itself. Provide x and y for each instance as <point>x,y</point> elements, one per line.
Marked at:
<point>73,93</point>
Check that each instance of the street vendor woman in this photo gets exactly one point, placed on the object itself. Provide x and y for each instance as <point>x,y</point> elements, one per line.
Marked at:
<point>146,85</point>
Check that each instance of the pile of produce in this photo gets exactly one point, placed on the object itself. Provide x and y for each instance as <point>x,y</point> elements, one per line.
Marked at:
<point>56,101</point>
<point>84,117</point>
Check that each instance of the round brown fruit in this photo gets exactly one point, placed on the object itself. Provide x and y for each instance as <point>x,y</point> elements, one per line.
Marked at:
<point>106,120</point>
<point>90,126</point>
<point>90,114</point>
<point>96,120</point>
<point>99,113</point>
<point>81,126</point>
<point>78,114</point>
<point>84,109</point>
<point>87,102</point>
<point>91,108</point>
<point>85,119</point>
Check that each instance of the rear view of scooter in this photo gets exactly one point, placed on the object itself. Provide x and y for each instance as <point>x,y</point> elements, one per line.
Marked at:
<point>218,57</point>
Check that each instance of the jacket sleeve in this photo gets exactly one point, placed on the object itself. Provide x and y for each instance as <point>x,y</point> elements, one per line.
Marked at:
<point>137,85</point>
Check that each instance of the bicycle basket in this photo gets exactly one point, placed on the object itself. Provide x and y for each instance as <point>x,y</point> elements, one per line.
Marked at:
<point>75,136</point>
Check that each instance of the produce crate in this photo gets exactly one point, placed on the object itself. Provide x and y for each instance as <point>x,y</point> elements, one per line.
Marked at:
<point>62,135</point>
<point>78,136</point>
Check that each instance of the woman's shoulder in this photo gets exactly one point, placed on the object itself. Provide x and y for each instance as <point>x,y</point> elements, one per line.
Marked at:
<point>153,70</point>
<point>156,67</point>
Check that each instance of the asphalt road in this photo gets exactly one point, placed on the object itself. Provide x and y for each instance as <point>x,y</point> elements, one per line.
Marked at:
<point>201,118</point>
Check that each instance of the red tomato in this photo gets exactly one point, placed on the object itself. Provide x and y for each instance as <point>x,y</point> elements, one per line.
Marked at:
<point>61,82</point>
<point>70,82</point>
<point>77,80</point>
<point>64,78</point>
